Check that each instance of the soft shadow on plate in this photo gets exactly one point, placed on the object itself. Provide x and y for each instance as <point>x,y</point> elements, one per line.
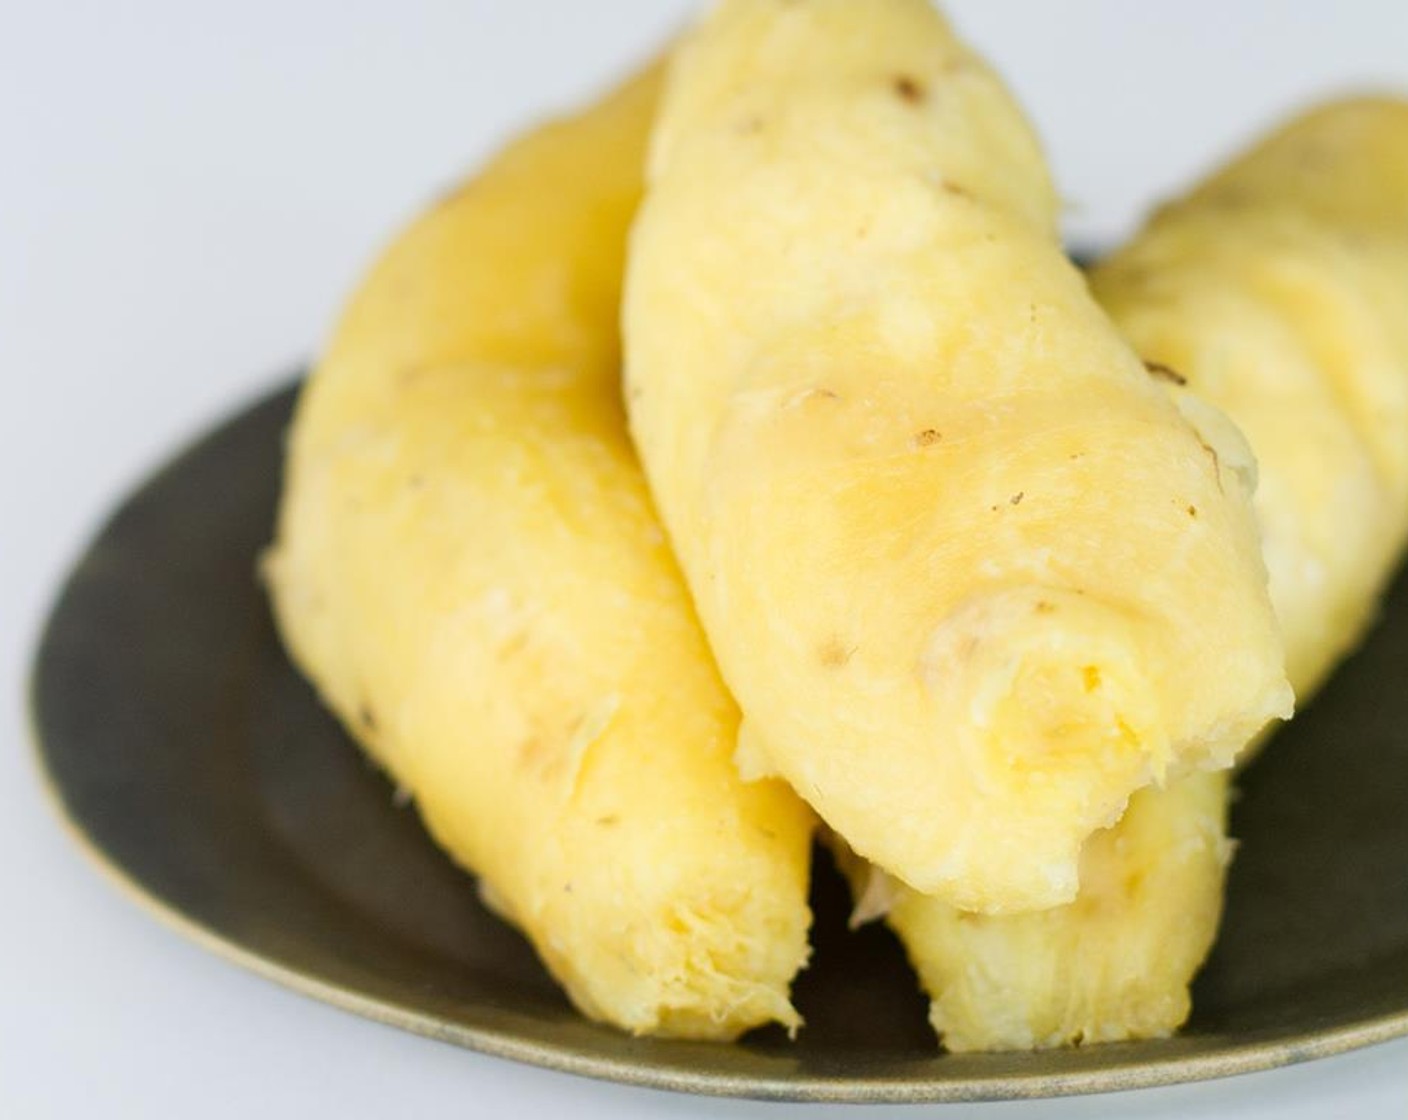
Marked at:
<point>197,767</point>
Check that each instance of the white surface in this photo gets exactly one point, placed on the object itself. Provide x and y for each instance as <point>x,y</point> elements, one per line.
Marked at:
<point>186,191</point>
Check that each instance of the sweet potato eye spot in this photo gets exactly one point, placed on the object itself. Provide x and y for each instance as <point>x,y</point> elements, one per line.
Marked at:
<point>1165,373</point>
<point>367,718</point>
<point>909,89</point>
<point>834,653</point>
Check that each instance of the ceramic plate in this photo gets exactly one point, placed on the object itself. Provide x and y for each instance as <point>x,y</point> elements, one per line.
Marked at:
<point>196,766</point>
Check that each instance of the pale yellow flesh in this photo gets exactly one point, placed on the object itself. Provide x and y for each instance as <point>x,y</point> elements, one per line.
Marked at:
<point>1279,290</point>
<point>1114,964</point>
<point>469,569</point>
<point>972,578</point>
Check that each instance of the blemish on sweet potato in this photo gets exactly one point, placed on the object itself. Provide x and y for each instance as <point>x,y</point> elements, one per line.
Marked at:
<point>807,396</point>
<point>910,89</point>
<point>1165,373</point>
<point>927,438</point>
<point>834,653</point>
<point>367,718</point>
<point>1216,460</point>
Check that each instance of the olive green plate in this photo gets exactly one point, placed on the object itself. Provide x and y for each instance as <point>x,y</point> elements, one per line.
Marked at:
<point>197,767</point>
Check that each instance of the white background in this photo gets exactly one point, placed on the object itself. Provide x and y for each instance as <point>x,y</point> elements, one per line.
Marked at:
<point>186,192</point>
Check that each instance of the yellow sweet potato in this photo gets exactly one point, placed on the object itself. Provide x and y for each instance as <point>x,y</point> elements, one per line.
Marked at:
<point>1277,292</point>
<point>971,577</point>
<point>1279,289</point>
<point>1114,964</point>
<point>469,569</point>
